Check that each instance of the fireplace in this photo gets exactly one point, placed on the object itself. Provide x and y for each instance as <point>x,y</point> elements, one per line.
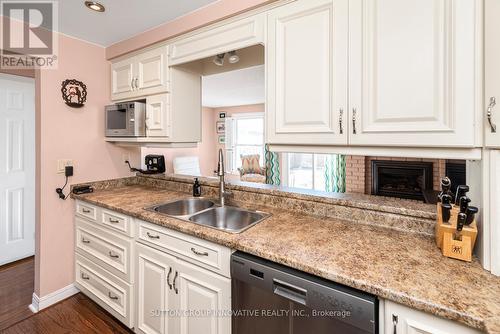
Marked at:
<point>401,179</point>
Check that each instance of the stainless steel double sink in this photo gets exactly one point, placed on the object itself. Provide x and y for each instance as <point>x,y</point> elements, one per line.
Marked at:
<point>205,212</point>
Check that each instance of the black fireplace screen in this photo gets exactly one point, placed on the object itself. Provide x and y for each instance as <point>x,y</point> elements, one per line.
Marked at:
<point>401,179</point>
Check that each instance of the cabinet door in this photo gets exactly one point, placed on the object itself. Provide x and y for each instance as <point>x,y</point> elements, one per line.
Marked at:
<point>122,75</point>
<point>307,73</point>
<point>152,71</point>
<point>200,291</point>
<point>413,76</point>
<point>154,296</point>
<point>492,73</point>
<point>400,319</point>
<point>157,116</point>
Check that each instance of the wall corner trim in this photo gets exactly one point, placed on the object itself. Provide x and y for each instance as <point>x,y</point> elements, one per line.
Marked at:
<point>39,303</point>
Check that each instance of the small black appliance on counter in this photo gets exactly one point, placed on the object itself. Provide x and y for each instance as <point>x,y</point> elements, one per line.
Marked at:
<point>155,164</point>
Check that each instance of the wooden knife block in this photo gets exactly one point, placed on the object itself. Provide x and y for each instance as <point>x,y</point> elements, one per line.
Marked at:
<point>457,249</point>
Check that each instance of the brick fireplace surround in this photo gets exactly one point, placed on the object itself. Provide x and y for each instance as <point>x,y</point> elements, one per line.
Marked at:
<point>359,174</point>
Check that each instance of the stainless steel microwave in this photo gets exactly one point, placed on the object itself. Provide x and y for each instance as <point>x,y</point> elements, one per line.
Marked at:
<point>127,119</point>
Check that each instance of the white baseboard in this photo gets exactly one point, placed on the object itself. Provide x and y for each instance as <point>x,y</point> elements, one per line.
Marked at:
<point>39,303</point>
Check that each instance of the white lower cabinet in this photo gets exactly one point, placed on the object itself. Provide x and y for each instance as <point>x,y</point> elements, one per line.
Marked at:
<point>400,319</point>
<point>174,296</point>
<point>154,292</point>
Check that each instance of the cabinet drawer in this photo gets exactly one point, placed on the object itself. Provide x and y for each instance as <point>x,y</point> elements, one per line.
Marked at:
<point>201,252</point>
<point>108,250</point>
<point>116,221</point>
<point>86,211</point>
<point>109,292</point>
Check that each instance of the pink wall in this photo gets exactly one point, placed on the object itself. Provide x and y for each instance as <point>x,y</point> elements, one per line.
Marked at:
<point>205,149</point>
<point>216,11</point>
<point>70,133</point>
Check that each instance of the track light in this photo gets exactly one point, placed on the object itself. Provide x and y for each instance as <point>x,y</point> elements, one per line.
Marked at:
<point>219,59</point>
<point>233,57</point>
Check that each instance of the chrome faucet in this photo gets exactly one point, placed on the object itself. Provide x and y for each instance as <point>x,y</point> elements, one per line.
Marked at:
<point>222,185</point>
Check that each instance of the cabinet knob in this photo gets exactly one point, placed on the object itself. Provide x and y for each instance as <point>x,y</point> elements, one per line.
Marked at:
<point>175,278</point>
<point>198,252</point>
<point>341,126</point>
<point>395,320</point>
<point>152,236</point>
<point>111,296</point>
<point>114,221</point>
<point>85,277</point>
<point>115,256</point>
<point>493,102</point>
<point>354,121</point>
<point>85,241</point>
<point>168,278</point>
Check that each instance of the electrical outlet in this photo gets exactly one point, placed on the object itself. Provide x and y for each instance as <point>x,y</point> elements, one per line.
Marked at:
<point>125,157</point>
<point>62,163</point>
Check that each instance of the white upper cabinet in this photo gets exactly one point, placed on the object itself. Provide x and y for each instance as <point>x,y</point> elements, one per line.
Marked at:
<point>412,73</point>
<point>143,74</point>
<point>374,73</point>
<point>492,73</point>
<point>122,76</point>
<point>230,36</point>
<point>157,116</point>
<point>307,73</point>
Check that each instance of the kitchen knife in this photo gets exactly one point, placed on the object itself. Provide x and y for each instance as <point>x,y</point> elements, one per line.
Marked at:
<point>471,212</point>
<point>445,212</point>
<point>446,199</point>
<point>460,225</point>
<point>464,203</point>
<point>461,191</point>
<point>445,187</point>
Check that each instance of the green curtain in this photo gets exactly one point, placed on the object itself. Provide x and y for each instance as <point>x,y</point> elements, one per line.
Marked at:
<point>272,167</point>
<point>335,173</point>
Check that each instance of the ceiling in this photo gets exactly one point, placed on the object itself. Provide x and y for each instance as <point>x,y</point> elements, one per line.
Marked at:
<point>122,18</point>
<point>234,88</point>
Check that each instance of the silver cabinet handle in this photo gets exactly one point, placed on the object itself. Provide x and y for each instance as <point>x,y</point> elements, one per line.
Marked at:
<point>136,83</point>
<point>85,276</point>
<point>493,102</point>
<point>168,278</point>
<point>132,84</point>
<point>354,120</point>
<point>152,236</point>
<point>341,126</point>
<point>113,255</point>
<point>395,324</point>
<point>175,278</point>
<point>114,221</point>
<point>199,253</point>
<point>85,210</point>
<point>85,241</point>
<point>111,296</point>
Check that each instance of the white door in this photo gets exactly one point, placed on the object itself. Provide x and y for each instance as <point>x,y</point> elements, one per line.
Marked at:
<point>199,291</point>
<point>307,73</point>
<point>152,71</point>
<point>412,76</point>
<point>17,168</point>
<point>122,79</point>
<point>492,73</point>
<point>154,291</point>
<point>157,116</point>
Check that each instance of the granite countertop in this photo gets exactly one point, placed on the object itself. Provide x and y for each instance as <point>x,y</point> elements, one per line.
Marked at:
<point>403,267</point>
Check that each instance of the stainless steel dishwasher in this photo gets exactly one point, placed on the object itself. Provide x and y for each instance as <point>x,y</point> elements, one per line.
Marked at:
<point>268,298</point>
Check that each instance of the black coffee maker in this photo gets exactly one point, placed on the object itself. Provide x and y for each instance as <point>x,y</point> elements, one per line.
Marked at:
<point>155,164</point>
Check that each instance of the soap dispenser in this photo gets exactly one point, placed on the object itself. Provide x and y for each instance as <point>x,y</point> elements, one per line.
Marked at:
<point>196,188</point>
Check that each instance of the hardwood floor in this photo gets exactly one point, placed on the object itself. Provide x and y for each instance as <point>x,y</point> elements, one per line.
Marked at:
<point>16,291</point>
<point>77,314</point>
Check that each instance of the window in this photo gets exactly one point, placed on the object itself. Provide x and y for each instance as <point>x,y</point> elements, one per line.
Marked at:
<point>245,135</point>
<point>311,171</point>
